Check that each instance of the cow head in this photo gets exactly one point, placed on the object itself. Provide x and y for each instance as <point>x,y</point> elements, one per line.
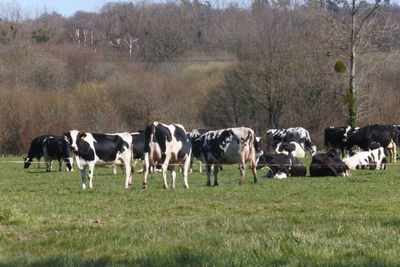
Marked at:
<point>257,144</point>
<point>310,147</point>
<point>27,162</point>
<point>72,137</point>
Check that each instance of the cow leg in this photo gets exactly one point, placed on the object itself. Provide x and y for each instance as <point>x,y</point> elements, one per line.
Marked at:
<point>394,151</point>
<point>253,167</point>
<point>71,161</point>
<point>128,173</point>
<point>83,174</point>
<point>216,169</point>
<point>208,172</point>
<point>38,164</point>
<point>242,168</point>
<point>51,165</point>
<point>164,169</point>
<point>48,166</point>
<point>90,175</point>
<point>185,173</point>
<point>173,176</point>
<point>146,167</point>
<point>59,164</point>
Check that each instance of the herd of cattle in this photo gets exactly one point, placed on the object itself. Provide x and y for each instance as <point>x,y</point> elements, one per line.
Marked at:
<point>166,146</point>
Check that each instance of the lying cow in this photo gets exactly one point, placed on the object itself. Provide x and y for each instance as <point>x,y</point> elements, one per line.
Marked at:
<point>101,149</point>
<point>57,148</point>
<point>166,144</point>
<point>35,150</point>
<point>227,146</point>
<point>293,148</point>
<point>374,159</point>
<point>281,165</point>
<point>328,164</point>
<point>296,134</point>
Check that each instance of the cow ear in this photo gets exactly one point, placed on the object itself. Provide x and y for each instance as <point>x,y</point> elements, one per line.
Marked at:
<point>82,136</point>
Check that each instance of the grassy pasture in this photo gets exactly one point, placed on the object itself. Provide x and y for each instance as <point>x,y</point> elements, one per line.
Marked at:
<point>46,219</point>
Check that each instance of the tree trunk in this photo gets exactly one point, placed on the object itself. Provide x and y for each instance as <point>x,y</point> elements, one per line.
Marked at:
<point>352,83</point>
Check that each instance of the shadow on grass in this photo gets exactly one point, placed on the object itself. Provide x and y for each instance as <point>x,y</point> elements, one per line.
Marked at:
<point>181,256</point>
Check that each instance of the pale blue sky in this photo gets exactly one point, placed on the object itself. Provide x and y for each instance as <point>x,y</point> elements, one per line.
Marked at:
<point>64,7</point>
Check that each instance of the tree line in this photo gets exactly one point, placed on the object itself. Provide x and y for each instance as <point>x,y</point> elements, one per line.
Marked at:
<point>266,65</point>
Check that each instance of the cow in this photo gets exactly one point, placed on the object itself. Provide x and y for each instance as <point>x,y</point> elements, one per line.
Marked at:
<point>137,150</point>
<point>296,134</point>
<point>35,150</point>
<point>373,160</point>
<point>193,134</point>
<point>386,135</point>
<point>281,165</point>
<point>227,146</point>
<point>101,149</point>
<point>166,144</point>
<point>328,164</point>
<point>336,138</point>
<point>293,148</point>
<point>57,147</point>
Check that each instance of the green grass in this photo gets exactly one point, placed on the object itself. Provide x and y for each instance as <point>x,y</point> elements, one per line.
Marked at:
<point>46,219</point>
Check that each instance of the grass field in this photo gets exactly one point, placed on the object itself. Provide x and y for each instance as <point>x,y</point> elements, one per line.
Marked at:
<point>46,219</point>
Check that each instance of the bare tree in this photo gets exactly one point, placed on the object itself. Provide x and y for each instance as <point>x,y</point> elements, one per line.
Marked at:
<point>355,26</point>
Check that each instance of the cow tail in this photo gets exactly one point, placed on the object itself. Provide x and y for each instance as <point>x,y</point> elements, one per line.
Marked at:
<point>251,141</point>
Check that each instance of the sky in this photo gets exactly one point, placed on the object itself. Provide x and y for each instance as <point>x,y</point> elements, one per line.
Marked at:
<point>64,7</point>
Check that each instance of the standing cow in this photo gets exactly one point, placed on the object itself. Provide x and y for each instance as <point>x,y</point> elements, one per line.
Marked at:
<point>295,134</point>
<point>35,150</point>
<point>166,144</point>
<point>227,146</point>
<point>57,148</point>
<point>101,149</point>
<point>366,137</point>
<point>337,137</point>
<point>193,134</point>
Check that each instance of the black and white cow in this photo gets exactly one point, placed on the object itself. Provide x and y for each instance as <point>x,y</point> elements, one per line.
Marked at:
<point>35,150</point>
<point>295,134</point>
<point>365,137</point>
<point>281,165</point>
<point>293,148</point>
<point>328,164</point>
<point>166,144</point>
<point>101,149</point>
<point>373,160</point>
<point>193,134</point>
<point>336,138</point>
<point>227,146</point>
<point>57,148</point>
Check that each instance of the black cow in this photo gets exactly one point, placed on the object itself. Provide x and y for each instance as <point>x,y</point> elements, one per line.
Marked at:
<point>57,148</point>
<point>227,146</point>
<point>328,164</point>
<point>336,138</point>
<point>104,149</point>
<point>281,165</point>
<point>385,135</point>
<point>35,150</point>
<point>166,144</point>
